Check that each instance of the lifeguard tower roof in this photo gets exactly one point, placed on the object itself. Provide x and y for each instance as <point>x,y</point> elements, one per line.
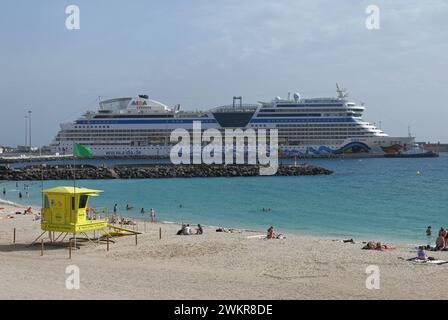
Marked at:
<point>73,190</point>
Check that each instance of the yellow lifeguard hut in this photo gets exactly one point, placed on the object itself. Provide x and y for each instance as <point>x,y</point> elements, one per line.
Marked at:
<point>65,210</point>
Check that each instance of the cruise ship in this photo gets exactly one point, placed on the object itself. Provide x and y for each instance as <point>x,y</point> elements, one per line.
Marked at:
<point>312,127</point>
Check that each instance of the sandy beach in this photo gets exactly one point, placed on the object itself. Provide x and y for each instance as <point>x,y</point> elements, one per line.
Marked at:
<point>210,266</point>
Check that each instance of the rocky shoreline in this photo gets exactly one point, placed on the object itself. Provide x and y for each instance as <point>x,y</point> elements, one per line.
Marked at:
<point>156,171</point>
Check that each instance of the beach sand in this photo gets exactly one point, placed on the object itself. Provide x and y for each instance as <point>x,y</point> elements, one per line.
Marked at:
<point>211,266</point>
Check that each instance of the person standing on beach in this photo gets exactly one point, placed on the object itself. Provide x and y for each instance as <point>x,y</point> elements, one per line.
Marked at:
<point>152,214</point>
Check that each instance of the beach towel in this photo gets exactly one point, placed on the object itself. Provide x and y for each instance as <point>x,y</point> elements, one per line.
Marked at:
<point>258,236</point>
<point>419,261</point>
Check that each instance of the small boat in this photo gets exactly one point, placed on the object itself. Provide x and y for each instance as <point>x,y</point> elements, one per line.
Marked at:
<point>428,154</point>
<point>415,152</point>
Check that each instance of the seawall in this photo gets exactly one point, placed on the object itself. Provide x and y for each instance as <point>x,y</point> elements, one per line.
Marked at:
<point>36,173</point>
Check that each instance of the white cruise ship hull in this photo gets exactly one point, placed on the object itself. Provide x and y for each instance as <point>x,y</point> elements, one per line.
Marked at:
<point>361,147</point>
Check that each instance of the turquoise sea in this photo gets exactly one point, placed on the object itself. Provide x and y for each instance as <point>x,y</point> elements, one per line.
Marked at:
<point>378,198</point>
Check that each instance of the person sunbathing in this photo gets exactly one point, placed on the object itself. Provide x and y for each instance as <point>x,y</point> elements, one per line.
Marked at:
<point>440,242</point>
<point>380,246</point>
<point>187,230</point>
<point>421,255</point>
<point>200,229</point>
<point>181,231</point>
<point>271,233</point>
<point>371,245</point>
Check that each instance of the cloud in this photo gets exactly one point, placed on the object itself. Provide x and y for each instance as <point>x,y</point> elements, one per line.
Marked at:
<point>200,53</point>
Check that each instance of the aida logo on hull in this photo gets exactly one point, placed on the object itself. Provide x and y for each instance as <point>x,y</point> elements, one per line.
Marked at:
<point>138,103</point>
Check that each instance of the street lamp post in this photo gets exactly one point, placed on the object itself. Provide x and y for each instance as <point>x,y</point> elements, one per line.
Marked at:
<point>26,131</point>
<point>29,130</point>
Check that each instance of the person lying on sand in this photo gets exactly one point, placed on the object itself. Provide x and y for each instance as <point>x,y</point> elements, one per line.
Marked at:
<point>128,222</point>
<point>7,217</point>
<point>380,246</point>
<point>228,230</point>
<point>28,211</point>
<point>371,245</point>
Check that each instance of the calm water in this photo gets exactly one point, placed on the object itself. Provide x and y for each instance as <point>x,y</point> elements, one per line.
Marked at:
<point>382,199</point>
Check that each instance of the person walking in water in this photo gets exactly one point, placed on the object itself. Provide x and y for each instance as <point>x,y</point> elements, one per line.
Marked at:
<point>142,211</point>
<point>4,192</point>
<point>152,214</point>
<point>429,231</point>
<point>20,194</point>
<point>115,208</point>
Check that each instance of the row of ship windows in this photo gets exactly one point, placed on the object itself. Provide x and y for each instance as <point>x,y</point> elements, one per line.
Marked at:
<point>304,133</point>
<point>322,129</point>
<point>157,146</point>
<point>313,136</point>
<point>316,125</point>
<point>212,121</point>
<point>321,141</point>
<point>110,148</point>
<point>350,114</point>
<point>88,127</point>
<point>311,110</point>
<point>169,130</point>
<point>283,130</point>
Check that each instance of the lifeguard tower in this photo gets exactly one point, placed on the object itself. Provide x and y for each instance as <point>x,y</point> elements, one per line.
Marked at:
<point>64,210</point>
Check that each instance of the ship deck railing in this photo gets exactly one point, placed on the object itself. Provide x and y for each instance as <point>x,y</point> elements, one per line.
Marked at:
<point>236,108</point>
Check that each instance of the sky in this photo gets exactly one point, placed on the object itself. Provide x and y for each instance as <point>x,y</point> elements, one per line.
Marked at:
<point>200,53</point>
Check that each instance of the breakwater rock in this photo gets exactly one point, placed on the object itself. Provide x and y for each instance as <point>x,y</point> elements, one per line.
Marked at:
<point>151,171</point>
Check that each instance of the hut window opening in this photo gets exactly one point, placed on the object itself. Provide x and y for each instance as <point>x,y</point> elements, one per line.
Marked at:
<point>83,201</point>
<point>46,202</point>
